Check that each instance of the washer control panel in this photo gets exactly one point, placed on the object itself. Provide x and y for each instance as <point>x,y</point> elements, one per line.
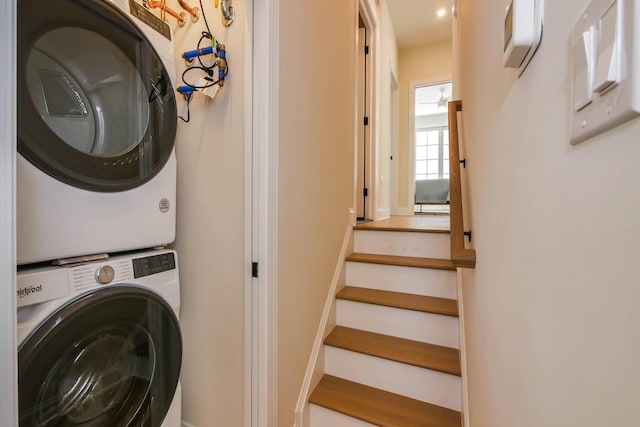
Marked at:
<point>153,264</point>
<point>86,276</point>
<point>47,283</point>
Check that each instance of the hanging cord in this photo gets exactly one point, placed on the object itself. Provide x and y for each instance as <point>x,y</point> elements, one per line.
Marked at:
<point>206,75</point>
<point>188,109</point>
<point>207,69</point>
<point>205,17</point>
<point>207,35</point>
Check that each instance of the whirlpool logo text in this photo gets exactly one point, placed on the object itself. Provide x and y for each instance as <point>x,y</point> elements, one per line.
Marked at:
<point>26,291</point>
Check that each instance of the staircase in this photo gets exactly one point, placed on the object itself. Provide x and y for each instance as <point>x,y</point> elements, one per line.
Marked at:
<point>392,359</point>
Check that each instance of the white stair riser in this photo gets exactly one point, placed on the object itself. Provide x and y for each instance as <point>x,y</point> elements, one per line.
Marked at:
<point>418,383</point>
<point>402,243</point>
<point>411,280</point>
<point>323,417</point>
<point>413,325</point>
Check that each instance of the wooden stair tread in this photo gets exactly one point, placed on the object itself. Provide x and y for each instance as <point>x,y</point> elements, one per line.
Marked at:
<point>416,353</point>
<point>404,261</point>
<point>367,227</point>
<point>427,304</point>
<point>380,407</point>
<point>410,223</point>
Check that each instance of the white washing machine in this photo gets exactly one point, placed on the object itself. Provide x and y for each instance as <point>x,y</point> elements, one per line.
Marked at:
<point>96,170</point>
<point>100,344</point>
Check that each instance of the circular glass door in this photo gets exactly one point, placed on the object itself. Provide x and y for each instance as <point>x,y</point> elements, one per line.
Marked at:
<point>96,107</point>
<point>110,358</point>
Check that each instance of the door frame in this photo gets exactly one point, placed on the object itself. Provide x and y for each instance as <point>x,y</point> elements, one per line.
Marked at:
<point>362,132</point>
<point>8,346</point>
<point>394,136</point>
<point>261,213</point>
<point>411,157</point>
<point>368,11</point>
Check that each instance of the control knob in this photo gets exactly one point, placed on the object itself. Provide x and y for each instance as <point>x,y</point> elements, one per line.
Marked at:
<point>105,274</point>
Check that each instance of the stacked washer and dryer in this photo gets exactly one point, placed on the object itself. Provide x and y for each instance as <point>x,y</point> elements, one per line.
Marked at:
<point>98,295</point>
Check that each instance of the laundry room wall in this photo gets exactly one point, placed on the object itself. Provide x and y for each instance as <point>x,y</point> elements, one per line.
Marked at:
<point>432,62</point>
<point>210,230</point>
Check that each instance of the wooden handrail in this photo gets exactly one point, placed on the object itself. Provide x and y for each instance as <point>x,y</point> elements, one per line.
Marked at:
<point>460,255</point>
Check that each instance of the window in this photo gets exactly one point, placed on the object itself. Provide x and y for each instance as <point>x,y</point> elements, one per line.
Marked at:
<point>432,153</point>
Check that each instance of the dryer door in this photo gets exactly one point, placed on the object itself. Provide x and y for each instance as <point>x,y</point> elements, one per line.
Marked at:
<point>96,107</point>
<point>108,358</point>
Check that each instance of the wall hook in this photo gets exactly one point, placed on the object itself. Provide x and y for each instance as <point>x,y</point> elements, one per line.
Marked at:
<point>228,14</point>
<point>468,234</point>
<point>193,11</point>
<point>180,17</point>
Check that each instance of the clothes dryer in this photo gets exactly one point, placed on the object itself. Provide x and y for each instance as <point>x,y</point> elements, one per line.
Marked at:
<point>96,170</point>
<point>100,344</point>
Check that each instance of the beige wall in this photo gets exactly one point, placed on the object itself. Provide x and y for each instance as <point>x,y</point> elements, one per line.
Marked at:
<point>315,173</point>
<point>210,235</point>
<point>428,63</point>
<point>552,307</point>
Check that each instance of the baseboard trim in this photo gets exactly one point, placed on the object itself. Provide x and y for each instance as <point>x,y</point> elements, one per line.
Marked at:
<point>315,368</point>
<point>382,213</point>
<point>353,218</point>
<point>402,211</point>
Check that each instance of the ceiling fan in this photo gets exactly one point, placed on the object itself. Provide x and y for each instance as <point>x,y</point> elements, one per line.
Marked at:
<point>440,103</point>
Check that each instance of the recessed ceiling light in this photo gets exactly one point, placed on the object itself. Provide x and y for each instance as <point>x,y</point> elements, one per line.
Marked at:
<point>441,12</point>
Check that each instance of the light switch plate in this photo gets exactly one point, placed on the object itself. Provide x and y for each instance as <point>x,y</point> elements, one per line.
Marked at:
<point>613,78</point>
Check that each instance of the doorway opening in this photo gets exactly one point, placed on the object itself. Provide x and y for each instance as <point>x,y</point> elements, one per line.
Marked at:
<point>431,148</point>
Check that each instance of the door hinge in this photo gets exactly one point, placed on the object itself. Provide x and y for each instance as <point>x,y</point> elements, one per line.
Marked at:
<point>366,121</point>
<point>365,192</point>
<point>366,50</point>
<point>254,269</point>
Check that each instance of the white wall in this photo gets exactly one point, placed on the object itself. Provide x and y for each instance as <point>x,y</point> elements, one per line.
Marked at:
<point>8,372</point>
<point>552,307</point>
<point>427,63</point>
<point>317,49</point>
<point>210,233</point>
